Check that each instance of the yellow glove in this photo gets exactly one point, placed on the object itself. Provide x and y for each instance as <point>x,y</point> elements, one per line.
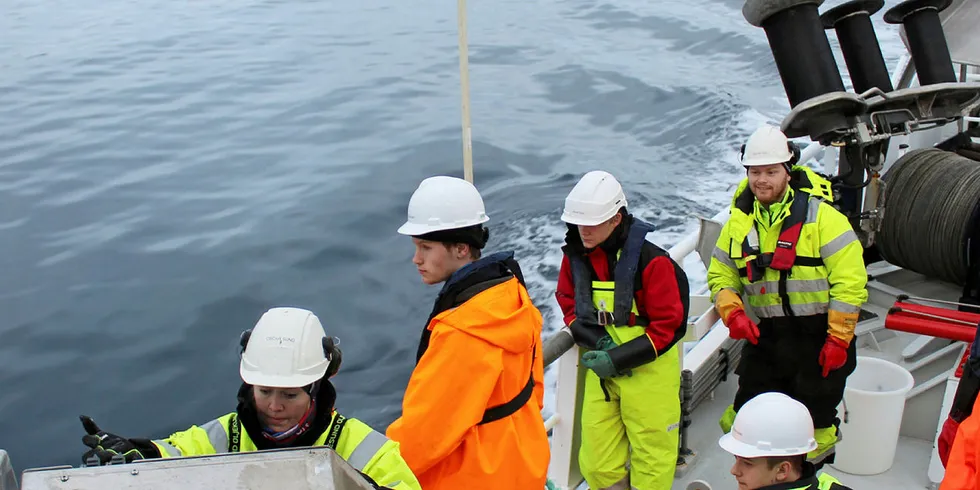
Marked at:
<point>841,325</point>
<point>727,302</point>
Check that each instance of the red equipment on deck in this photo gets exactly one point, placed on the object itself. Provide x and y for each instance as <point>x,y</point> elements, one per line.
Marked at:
<point>932,321</point>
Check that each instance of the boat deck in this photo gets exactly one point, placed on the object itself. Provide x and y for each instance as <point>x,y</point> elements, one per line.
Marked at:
<point>929,360</point>
<point>712,464</point>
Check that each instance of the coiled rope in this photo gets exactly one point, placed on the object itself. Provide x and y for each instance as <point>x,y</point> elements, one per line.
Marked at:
<point>932,212</point>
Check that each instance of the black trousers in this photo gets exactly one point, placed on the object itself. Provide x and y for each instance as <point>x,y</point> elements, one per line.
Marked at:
<point>787,360</point>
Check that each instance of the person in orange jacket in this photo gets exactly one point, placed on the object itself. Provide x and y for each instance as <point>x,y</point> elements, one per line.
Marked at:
<point>471,415</point>
<point>959,439</point>
<point>963,462</point>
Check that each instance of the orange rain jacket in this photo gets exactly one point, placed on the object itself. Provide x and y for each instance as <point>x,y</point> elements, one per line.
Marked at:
<point>964,458</point>
<point>480,354</point>
<point>959,439</point>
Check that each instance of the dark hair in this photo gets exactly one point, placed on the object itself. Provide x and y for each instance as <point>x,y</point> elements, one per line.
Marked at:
<point>475,236</point>
<point>475,253</point>
<point>796,461</point>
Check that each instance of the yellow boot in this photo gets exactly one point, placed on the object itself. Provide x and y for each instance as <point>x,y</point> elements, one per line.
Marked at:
<point>827,438</point>
<point>727,419</point>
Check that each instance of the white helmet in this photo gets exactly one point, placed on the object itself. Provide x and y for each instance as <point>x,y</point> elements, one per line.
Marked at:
<point>766,146</point>
<point>443,203</point>
<point>594,199</point>
<point>771,424</point>
<point>286,349</point>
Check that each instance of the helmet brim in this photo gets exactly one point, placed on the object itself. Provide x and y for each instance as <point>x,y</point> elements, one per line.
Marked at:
<point>729,443</point>
<point>739,448</point>
<point>582,221</point>
<point>760,162</point>
<point>256,378</point>
<point>416,229</point>
<point>413,229</point>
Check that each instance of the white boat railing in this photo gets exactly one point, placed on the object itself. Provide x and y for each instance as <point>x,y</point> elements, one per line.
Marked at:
<point>8,479</point>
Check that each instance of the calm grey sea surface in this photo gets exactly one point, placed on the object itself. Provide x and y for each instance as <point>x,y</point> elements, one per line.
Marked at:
<point>170,170</point>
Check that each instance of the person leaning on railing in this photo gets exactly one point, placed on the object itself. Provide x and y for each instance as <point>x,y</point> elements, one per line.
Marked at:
<point>626,301</point>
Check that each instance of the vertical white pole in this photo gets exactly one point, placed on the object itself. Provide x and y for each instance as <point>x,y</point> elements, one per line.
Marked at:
<point>464,80</point>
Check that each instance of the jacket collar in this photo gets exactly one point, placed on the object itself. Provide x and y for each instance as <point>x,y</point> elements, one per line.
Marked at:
<point>776,212</point>
<point>468,281</point>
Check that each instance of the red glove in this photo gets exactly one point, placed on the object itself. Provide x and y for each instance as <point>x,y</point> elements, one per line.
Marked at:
<point>946,436</point>
<point>833,355</point>
<point>741,326</point>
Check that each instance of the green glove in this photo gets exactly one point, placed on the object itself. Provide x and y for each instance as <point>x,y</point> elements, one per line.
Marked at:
<point>600,363</point>
<point>605,343</point>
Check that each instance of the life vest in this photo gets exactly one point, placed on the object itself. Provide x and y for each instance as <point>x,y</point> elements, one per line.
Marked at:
<point>624,311</point>
<point>784,257</point>
<point>805,183</point>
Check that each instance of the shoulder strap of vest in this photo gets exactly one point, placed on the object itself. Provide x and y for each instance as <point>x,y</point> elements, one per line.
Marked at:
<point>506,409</point>
<point>515,268</point>
<point>625,274</point>
<point>336,428</point>
<point>784,257</point>
<point>789,233</point>
<point>235,429</point>
<point>582,281</point>
<point>626,266</point>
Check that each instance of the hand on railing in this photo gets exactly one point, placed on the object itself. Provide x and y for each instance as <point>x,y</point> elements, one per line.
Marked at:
<point>557,344</point>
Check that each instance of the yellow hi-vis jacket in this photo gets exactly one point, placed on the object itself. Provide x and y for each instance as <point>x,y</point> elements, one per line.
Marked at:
<point>828,274</point>
<point>367,450</point>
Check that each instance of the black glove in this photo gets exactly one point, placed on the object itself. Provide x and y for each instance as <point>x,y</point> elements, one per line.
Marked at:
<point>109,448</point>
<point>586,333</point>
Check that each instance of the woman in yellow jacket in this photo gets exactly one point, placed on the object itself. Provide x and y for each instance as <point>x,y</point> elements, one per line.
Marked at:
<point>286,400</point>
<point>471,415</point>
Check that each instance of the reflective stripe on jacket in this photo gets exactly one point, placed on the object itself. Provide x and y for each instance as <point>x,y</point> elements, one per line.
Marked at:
<point>367,450</point>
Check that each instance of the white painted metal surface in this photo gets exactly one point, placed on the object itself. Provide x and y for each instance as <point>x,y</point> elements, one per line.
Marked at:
<point>563,469</point>
<point>8,479</point>
<point>317,468</point>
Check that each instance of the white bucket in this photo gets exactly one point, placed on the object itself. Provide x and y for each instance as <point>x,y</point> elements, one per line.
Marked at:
<point>875,399</point>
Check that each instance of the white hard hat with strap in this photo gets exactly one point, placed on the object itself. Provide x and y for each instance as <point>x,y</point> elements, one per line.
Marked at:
<point>596,197</point>
<point>287,348</point>
<point>767,146</point>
